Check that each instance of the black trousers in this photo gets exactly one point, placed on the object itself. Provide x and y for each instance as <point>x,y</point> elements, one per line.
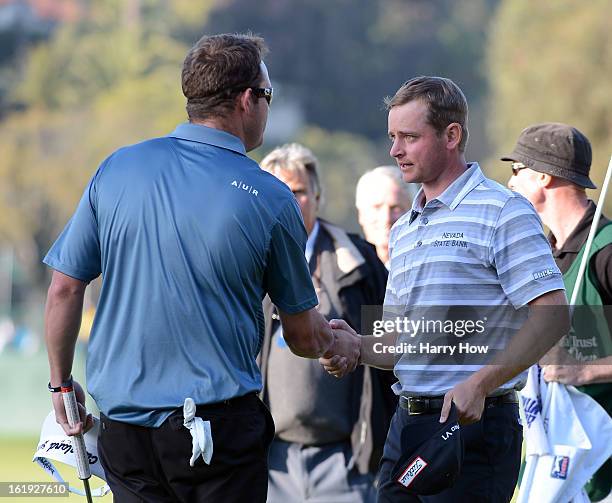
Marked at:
<point>491,461</point>
<point>152,464</point>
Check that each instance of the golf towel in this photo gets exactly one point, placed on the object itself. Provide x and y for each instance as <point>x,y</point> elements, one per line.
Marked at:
<point>568,437</point>
<point>202,444</point>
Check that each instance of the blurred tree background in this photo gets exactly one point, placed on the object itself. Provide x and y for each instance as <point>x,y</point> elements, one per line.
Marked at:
<point>80,78</point>
<point>551,61</point>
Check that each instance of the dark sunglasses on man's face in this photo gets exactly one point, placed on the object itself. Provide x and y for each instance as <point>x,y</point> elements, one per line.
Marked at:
<point>263,92</point>
<point>516,167</point>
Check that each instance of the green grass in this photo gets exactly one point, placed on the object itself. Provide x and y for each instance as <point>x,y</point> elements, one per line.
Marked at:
<point>16,466</point>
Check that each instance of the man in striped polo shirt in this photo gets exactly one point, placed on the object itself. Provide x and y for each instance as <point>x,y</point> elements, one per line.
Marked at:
<point>468,241</point>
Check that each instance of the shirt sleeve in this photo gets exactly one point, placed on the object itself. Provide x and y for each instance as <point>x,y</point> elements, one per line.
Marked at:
<point>76,252</point>
<point>521,254</point>
<point>287,278</point>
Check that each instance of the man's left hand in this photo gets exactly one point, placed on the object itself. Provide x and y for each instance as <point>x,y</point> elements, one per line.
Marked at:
<point>469,400</point>
<point>86,420</point>
<point>560,366</point>
<point>574,374</point>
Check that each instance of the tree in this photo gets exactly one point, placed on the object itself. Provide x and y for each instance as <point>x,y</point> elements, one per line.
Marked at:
<point>97,85</point>
<point>342,58</point>
<point>552,62</point>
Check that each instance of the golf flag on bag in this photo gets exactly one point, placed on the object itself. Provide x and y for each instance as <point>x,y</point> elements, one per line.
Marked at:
<point>568,437</point>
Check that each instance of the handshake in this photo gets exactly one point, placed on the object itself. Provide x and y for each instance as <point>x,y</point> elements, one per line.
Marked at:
<point>344,353</point>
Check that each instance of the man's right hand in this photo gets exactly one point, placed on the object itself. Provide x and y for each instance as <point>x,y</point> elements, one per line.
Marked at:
<point>344,354</point>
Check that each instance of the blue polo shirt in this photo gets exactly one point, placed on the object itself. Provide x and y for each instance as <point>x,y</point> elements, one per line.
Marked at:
<point>189,235</point>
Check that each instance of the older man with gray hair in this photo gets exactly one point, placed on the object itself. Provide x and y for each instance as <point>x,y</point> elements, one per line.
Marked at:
<point>381,198</point>
<point>329,433</point>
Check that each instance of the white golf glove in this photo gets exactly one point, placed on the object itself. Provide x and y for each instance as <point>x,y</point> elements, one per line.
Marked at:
<point>200,433</point>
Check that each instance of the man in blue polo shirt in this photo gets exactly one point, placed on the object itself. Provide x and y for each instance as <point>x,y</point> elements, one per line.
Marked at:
<point>189,235</point>
<point>471,249</point>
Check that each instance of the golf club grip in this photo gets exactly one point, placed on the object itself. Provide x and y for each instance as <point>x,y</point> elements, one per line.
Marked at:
<point>78,443</point>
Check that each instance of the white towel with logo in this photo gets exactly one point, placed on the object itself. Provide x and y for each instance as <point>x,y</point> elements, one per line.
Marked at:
<point>568,436</point>
<point>531,414</point>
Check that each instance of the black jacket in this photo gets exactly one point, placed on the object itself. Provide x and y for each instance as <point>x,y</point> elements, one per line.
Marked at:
<point>351,270</point>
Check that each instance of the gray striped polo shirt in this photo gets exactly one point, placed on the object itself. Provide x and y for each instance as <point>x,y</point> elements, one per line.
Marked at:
<point>477,244</point>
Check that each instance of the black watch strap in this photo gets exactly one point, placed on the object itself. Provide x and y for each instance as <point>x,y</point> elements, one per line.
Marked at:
<point>57,389</point>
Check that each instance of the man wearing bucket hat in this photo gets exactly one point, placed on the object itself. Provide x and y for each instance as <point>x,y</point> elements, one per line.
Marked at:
<point>550,167</point>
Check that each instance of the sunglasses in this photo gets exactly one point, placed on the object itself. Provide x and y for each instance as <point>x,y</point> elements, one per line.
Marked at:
<point>263,92</point>
<point>516,167</point>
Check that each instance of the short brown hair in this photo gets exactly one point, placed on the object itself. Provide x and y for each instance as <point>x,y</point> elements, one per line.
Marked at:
<point>445,101</point>
<point>217,69</point>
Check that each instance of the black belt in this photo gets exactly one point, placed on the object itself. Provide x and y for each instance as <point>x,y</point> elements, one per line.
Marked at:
<point>416,405</point>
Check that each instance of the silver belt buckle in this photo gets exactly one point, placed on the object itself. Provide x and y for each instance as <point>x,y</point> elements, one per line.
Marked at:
<point>420,406</point>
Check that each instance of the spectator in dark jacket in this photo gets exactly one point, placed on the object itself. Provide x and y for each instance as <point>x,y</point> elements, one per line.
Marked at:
<point>329,432</point>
